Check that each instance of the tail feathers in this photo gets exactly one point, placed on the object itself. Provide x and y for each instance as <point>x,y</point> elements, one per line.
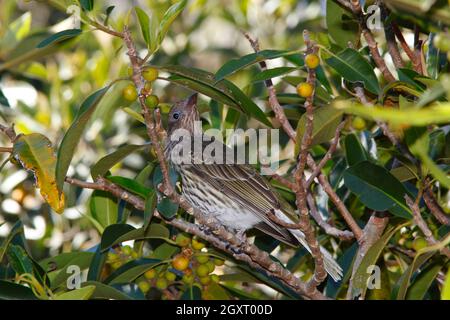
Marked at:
<point>331,266</point>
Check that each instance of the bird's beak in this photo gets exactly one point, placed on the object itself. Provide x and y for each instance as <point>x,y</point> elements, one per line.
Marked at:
<point>192,101</point>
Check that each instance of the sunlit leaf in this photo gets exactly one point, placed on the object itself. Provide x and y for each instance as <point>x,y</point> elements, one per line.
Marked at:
<point>72,137</point>
<point>79,294</point>
<point>35,153</point>
<point>169,16</point>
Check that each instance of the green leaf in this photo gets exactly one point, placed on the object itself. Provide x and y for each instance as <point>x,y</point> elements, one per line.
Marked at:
<point>131,270</point>
<point>353,67</point>
<point>131,185</point>
<point>87,5</point>
<point>19,260</point>
<point>59,37</point>
<point>215,292</point>
<point>235,65</point>
<point>108,161</point>
<point>16,31</point>
<point>354,151</point>
<point>3,100</point>
<point>192,293</point>
<point>150,205</point>
<point>272,73</point>
<point>144,22</point>
<point>103,208</point>
<point>35,153</point>
<point>15,234</point>
<point>13,291</point>
<point>377,188</point>
<point>71,138</point>
<point>112,233</point>
<point>250,108</point>
<point>79,294</point>
<point>422,283</point>
<point>123,232</point>
<point>167,208</point>
<point>436,114</point>
<point>341,26</point>
<point>361,275</point>
<point>169,16</point>
<point>445,295</point>
<point>96,265</point>
<point>325,122</point>
<point>103,291</point>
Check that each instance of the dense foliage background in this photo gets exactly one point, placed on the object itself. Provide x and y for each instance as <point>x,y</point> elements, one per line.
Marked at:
<point>66,89</point>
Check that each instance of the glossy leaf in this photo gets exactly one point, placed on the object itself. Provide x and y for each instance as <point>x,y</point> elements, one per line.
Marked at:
<point>35,153</point>
<point>59,37</point>
<point>354,151</point>
<point>79,294</point>
<point>272,73</point>
<point>169,16</point>
<point>353,67</point>
<point>144,23</point>
<point>13,291</point>
<point>131,185</point>
<point>71,138</point>
<point>103,291</point>
<point>235,65</point>
<point>377,188</point>
<point>167,208</point>
<point>19,260</point>
<point>108,161</point>
<point>103,208</point>
<point>131,270</point>
<point>422,283</point>
<point>119,233</point>
<point>325,122</point>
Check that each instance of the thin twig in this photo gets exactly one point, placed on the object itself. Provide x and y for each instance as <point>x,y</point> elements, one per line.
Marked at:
<point>434,207</point>
<point>372,44</point>
<point>6,149</point>
<point>327,155</point>
<point>329,229</point>
<point>406,48</point>
<point>390,37</point>
<point>423,226</point>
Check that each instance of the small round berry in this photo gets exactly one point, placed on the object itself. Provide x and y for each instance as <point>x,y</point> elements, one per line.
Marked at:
<point>134,254</point>
<point>112,257</point>
<point>205,280</point>
<point>419,243</point>
<point>130,93</point>
<point>218,262</point>
<point>442,42</point>
<point>197,245</point>
<point>359,123</point>
<point>150,74</point>
<point>170,276</point>
<point>161,283</point>
<point>144,286</point>
<point>211,266</point>
<point>202,270</point>
<point>202,258</point>
<point>312,60</point>
<point>116,265</point>
<point>305,90</point>
<point>408,244</point>
<point>127,250</point>
<point>130,71</point>
<point>152,101</point>
<point>150,274</point>
<point>182,240</point>
<point>188,278</point>
<point>215,278</point>
<point>180,262</point>
<point>148,87</point>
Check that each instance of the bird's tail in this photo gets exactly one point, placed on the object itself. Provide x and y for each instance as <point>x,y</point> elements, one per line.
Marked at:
<point>331,266</point>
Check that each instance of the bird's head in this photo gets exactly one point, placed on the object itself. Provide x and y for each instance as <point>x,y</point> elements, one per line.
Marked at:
<point>183,115</point>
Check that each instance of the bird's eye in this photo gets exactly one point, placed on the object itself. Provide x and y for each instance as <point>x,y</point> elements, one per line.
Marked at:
<point>176,115</point>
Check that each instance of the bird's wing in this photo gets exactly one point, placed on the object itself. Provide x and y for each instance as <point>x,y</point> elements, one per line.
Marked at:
<point>244,185</point>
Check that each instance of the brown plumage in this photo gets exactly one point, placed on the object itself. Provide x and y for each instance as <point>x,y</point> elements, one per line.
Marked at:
<point>236,194</point>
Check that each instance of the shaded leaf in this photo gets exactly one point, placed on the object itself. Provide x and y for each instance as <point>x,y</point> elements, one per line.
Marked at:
<point>13,291</point>
<point>325,122</point>
<point>354,151</point>
<point>3,100</point>
<point>167,208</point>
<point>59,37</point>
<point>131,185</point>
<point>353,67</point>
<point>103,208</point>
<point>235,65</point>
<point>341,26</point>
<point>272,73</point>
<point>35,153</point>
<point>87,5</point>
<point>108,161</point>
<point>131,270</point>
<point>377,188</point>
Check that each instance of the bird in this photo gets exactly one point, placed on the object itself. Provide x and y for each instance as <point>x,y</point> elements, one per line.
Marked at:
<point>233,193</point>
